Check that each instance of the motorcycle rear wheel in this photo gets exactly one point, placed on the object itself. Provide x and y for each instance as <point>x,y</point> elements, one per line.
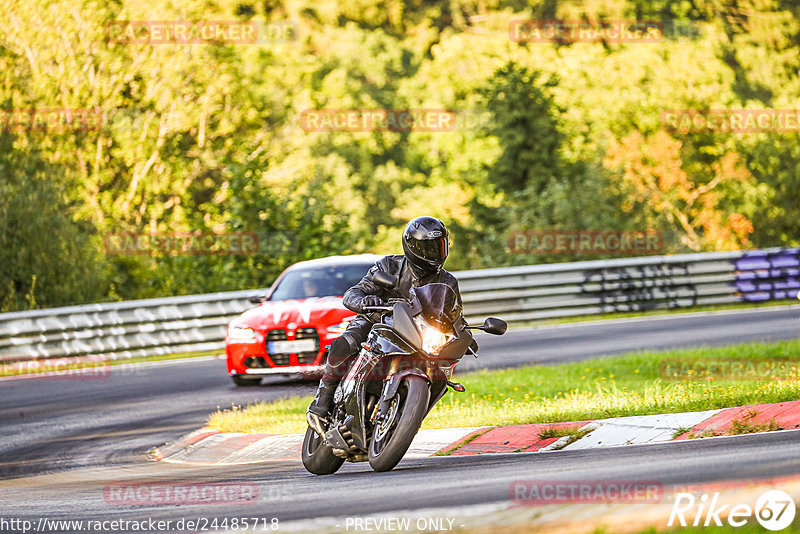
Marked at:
<point>386,449</point>
<point>318,458</point>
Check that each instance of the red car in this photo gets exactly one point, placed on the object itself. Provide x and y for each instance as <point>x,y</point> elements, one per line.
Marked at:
<point>300,316</point>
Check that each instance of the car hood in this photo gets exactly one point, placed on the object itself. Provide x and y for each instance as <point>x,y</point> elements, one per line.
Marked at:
<point>300,312</point>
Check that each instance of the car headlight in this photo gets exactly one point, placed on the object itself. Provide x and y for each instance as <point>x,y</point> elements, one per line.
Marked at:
<point>339,328</point>
<point>432,339</point>
<point>238,334</point>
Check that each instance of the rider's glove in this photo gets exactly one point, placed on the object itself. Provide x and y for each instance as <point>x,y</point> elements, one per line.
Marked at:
<point>474,346</point>
<point>371,300</point>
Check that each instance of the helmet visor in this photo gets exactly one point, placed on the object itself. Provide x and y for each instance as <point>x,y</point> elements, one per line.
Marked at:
<point>431,250</point>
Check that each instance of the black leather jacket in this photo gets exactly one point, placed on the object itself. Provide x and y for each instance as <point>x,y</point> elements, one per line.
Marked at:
<point>407,278</point>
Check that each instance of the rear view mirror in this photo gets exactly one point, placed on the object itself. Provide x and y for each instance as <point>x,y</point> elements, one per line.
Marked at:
<point>256,299</point>
<point>493,325</point>
<point>384,280</point>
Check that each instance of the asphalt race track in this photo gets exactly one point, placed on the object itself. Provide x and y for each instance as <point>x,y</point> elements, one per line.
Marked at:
<point>287,492</point>
<point>65,439</point>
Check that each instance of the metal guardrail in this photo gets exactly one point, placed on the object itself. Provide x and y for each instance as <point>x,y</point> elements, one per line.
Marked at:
<point>516,294</point>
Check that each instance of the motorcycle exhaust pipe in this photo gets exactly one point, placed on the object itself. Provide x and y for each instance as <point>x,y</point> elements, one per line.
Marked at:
<point>315,424</point>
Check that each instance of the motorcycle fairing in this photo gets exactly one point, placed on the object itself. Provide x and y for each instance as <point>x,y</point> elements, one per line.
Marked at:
<point>404,324</point>
<point>366,377</point>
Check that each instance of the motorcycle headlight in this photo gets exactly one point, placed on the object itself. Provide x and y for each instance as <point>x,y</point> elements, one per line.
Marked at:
<point>339,328</point>
<point>432,339</point>
<point>238,334</point>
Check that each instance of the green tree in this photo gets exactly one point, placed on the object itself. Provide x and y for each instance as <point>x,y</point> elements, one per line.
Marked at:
<point>48,257</point>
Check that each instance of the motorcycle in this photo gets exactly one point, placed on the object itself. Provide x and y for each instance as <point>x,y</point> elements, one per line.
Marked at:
<point>402,370</point>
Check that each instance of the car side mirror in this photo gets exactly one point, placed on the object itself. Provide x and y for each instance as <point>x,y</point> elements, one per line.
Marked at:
<point>256,299</point>
<point>384,280</point>
<point>493,325</point>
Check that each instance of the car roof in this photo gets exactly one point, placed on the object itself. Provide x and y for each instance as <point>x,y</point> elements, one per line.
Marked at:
<point>337,260</point>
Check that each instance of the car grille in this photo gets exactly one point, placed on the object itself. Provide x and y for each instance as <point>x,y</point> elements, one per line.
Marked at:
<point>307,333</point>
<point>303,358</point>
<point>276,335</point>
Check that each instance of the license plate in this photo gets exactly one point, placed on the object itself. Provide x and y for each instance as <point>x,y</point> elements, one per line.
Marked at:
<point>295,345</point>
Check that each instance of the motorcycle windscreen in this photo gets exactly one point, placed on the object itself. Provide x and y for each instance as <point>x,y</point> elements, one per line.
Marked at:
<point>439,304</point>
<point>404,324</point>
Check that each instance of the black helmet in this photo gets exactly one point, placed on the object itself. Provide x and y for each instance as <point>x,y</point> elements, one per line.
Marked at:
<point>425,244</point>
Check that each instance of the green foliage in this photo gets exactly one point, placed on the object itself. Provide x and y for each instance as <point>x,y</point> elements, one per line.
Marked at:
<point>46,256</point>
<point>525,124</point>
<point>773,161</point>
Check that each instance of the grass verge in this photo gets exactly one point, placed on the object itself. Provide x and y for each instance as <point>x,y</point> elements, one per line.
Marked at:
<point>631,384</point>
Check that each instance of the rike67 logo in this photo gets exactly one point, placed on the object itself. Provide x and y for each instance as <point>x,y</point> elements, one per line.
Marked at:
<point>774,510</point>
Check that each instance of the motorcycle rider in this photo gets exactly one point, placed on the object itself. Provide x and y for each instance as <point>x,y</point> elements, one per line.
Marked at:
<point>425,249</point>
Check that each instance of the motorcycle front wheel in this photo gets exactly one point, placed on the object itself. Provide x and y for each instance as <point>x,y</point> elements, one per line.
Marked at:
<point>392,438</point>
<point>318,458</point>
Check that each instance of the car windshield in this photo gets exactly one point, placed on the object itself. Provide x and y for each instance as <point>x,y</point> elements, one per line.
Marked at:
<point>326,281</point>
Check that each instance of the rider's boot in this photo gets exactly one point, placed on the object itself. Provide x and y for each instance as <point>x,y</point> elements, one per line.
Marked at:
<point>321,405</point>
<point>342,349</point>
